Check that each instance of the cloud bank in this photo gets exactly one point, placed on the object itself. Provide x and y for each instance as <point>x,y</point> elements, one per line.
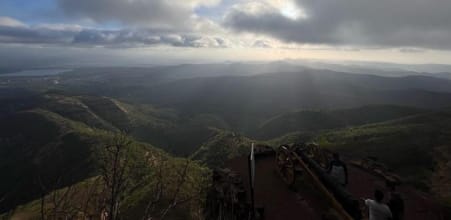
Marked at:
<point>13,31</point>
<point>381,23</point>
<point>407,25</point>
<point>138,13</point>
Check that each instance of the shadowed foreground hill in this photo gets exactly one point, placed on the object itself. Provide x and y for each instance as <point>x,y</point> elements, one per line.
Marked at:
<point>42,150</point>
<point>42,145</point>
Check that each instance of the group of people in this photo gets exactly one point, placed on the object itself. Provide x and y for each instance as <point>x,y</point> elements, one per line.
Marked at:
<point>378,210</point>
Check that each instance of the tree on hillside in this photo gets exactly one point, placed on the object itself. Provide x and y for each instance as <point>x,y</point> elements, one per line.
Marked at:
<point>70,202</point>
<point>131,181</point>
<point>116,167</point>
<point>125,171</point>
<point>174,197</point>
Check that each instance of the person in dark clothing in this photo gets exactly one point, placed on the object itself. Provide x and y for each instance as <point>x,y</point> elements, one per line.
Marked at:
<point>338,170</point>
<point>396,204</point>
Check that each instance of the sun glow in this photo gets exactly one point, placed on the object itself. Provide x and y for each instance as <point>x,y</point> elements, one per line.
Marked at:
<point>291,10</point>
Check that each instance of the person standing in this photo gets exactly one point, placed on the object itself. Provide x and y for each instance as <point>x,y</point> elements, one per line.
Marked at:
<point>338,170</point>
<point>396,204</point>
<point>377,209</point>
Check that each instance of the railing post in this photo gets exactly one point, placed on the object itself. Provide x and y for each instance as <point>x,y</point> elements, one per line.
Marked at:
<point>251,165</point>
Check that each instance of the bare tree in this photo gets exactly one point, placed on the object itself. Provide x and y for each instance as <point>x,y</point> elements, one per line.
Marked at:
<point>157,191</point>
<point>169,191</point>
<point>91,204</point>
<point>124,170</point>
<point>54,202</point>
<point>115,170</point>
<point>78,201</point>
<point>182,175</point>
<point>174,198</point>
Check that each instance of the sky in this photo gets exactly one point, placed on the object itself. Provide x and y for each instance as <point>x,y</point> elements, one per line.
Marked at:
<point>176,31</point>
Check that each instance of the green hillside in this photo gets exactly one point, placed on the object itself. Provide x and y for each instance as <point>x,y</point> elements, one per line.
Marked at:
<point>311,120</point>
<point>39,144</point>
<point>57,152</point>
<point>74,108</point>
<point>166,128</point>
<point>221,147</point>
<point>191,193</point>
<point>101,112</point>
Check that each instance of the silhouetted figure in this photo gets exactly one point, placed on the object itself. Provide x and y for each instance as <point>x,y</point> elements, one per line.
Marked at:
<point>377,209</point>
<point>338,170</point>
<point>396,204</point>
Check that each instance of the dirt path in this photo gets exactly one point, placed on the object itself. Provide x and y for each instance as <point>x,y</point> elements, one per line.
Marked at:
<point>281,203</point>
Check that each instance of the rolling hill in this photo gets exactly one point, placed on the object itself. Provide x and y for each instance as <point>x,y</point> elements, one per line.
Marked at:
<point>310,120</point>
<point>243,96</point>
<point>244,102</point>
<point>166,128</point>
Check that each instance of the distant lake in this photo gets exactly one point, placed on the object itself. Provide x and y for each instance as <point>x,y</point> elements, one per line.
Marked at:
<point>37,72</point>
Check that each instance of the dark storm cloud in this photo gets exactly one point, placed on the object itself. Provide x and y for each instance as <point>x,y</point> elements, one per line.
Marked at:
<point>147,13</point>
<point>19,34</point>
<point>108,38</point>
<point>386,23</point>
<point>128,38</point>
